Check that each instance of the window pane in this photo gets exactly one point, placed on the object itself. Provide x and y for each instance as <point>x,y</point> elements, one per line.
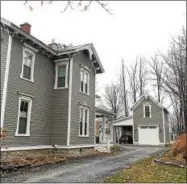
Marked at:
<point>61,81</point>
<point>80,128</point>
<point>82,76</point>
<point>61,71</point>
<point>28,59</point>
<point>147,112</point>
<point>86,82</point>
<point>144,127</point>
<point>86,119</point>
<point>82,86</point>
<point>81,121</point>
<point>26,72</point>
<point>86,88</point>
<point>22,125</point>
<point>86,78</point>
<point>24,106</point>
<point>152,127</point>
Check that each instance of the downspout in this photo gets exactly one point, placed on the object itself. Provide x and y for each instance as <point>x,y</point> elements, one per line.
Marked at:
<point>5,85</point>
<point>69,99</point>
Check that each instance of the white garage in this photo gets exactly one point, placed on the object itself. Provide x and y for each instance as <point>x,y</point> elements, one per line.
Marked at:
<point>148,135</point>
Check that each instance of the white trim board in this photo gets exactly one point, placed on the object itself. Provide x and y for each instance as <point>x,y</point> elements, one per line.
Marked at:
<point>69,100</point>
<point>164,126</point>
<point>22,148</point>
<point>5,85</point>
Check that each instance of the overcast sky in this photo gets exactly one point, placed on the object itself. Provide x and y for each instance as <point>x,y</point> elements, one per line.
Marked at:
<point>136,29</point>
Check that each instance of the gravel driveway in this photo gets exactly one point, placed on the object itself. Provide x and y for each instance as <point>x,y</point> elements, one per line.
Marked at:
<point>86,170</point>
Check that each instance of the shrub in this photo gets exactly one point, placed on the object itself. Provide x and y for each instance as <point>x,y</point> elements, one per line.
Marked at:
<point>114,148</point>
<point>179,147</point>
<point>3,133</point>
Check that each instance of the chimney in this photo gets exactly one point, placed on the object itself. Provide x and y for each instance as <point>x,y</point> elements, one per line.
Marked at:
<point>26,27</point>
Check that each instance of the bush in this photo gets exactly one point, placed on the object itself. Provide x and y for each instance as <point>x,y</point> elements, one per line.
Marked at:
<point>3,133</point>
<point>179,147</point>
<point>114,148</point>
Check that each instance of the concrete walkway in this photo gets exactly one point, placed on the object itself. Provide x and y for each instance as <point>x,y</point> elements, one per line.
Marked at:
<point>86,170</point>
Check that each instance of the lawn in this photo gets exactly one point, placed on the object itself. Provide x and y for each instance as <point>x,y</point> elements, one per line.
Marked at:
<point>148,171</point>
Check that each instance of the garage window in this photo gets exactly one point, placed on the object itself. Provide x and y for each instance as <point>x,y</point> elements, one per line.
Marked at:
<point>144,127</point>
<point>152,127</point>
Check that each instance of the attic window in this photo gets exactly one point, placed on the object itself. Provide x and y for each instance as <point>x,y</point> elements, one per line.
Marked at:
<point>147,111</point>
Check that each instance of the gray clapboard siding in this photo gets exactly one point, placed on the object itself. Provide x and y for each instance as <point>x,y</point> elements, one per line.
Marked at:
<point>41,90</point>
<point>78,97</point>
<point>59,116</point>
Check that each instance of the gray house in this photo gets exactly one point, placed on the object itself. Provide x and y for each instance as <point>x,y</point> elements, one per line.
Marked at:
<point>47,91</point>
<point>147,126</point>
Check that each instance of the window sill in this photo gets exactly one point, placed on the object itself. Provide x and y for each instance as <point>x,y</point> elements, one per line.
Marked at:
<point>21,135</point>
<point>26,79</point>
<point>84,93</point>
<point>61,88</point>
<point>84,136</point>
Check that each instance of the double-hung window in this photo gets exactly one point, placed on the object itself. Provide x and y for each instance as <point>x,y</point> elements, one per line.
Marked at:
<point>84,122</point>
<point>27,72</point>
<point>24,116</point>
<point>147,111</point>
<point>84,81</point>
<point>61,79</point>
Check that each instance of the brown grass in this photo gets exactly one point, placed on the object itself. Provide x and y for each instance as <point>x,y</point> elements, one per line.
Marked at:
<point>50,159</point>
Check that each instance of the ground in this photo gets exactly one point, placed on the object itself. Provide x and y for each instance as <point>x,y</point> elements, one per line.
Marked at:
<point>85,170</point>
<point>146,171</point>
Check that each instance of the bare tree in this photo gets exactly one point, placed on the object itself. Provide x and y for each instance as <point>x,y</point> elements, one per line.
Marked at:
<point>133,81</point>
<point>157,73</point>
<point>112,97</point>
<point>71,6</point>
<point>175,70</point>
<point>143,73</point>
<point>124,92</point>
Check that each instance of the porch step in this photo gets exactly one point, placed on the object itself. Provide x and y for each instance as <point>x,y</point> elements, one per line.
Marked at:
<point>102,148</point>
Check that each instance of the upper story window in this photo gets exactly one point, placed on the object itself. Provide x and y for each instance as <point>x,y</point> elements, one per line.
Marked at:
<point>84,81</point>
<point>27,72</point>
<point>84,122</point>
<point>147,111</point>
<point>24,116</point>
<point>61,79</point>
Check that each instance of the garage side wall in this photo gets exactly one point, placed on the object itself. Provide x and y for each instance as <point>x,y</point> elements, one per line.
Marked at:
<point>156,118</point>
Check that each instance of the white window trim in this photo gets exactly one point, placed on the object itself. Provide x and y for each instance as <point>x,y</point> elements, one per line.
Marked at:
<point>32,67</point>
<point>85,71</point>
<point>28,117</point>
<point>56,75</point>
<point>149,110</point>
<point>88,118</point>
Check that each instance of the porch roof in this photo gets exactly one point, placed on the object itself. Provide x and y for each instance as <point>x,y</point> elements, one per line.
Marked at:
<point>124,121</point>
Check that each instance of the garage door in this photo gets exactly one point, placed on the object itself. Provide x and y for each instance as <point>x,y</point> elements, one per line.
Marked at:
<point>148,135</point>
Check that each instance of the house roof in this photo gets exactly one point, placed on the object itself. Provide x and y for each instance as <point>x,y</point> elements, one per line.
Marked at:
<point>152,99</point>
<point>51,52</point>
<point>103,111</point>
